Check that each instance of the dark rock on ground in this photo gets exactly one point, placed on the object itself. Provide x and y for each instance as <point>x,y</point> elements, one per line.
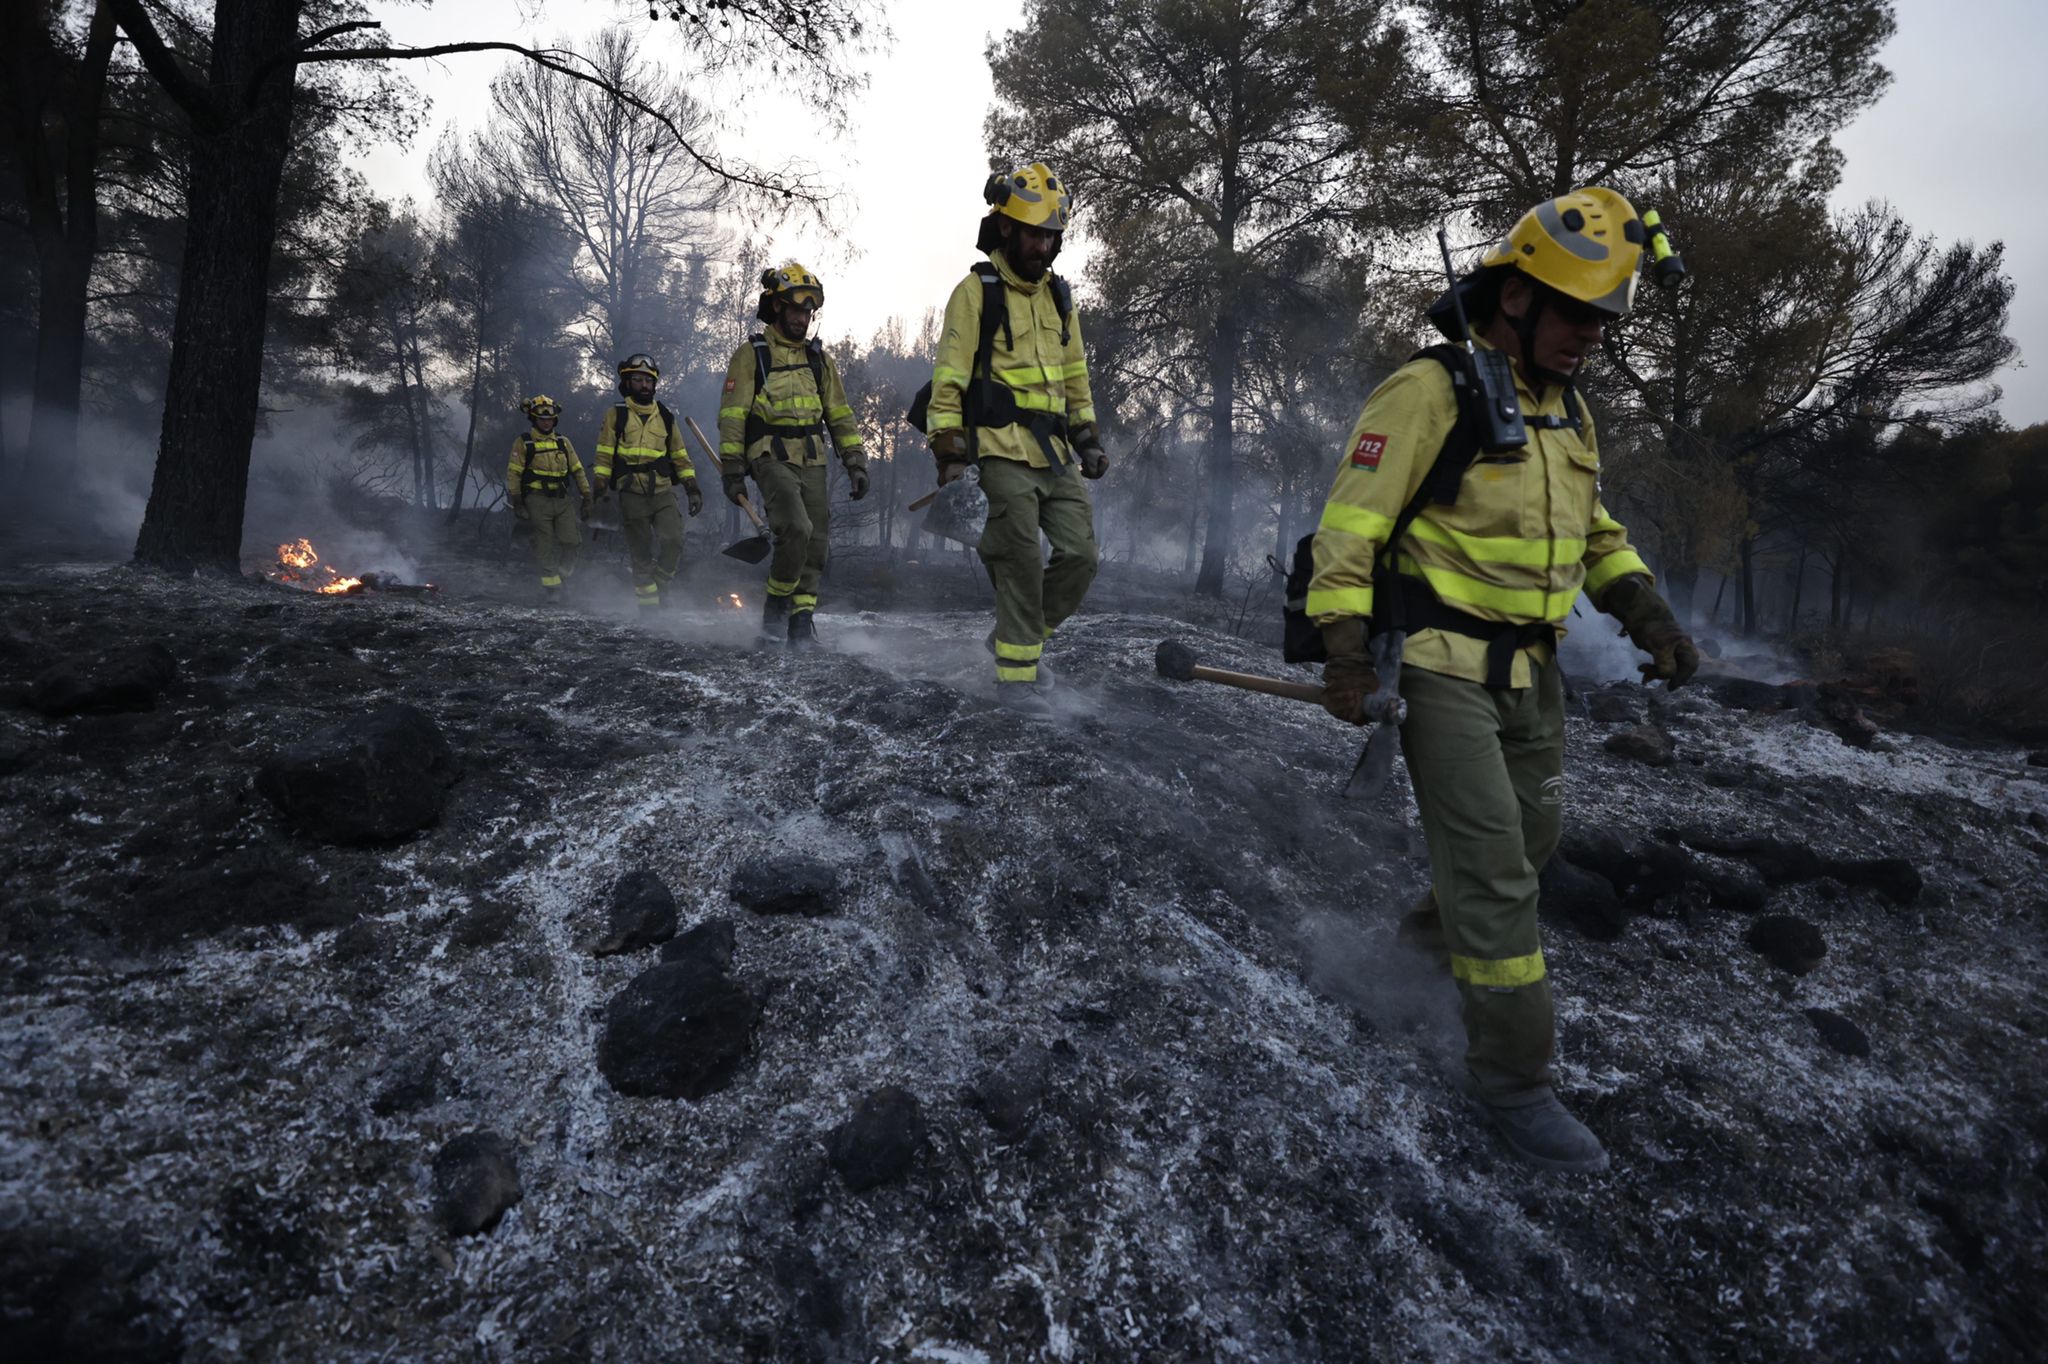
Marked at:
<point>363,781</point>
<point>641,913</point>
<point>1743,693</point>
<point>786,885</point>
<point>63,1298</point>
<point>1009,1095</point>
<point>1788,942</point>
<point>128,677</point>
<point>476,1180</point>
<point>1582,900</point>
<point>407,1084</point>
<point>1614,706</point>
<point>1839,1033</point>
<point>1835,708</point>
<point>486,924</point>
<point>1644,744</point>
<point>712,942</point>
<point>1783,862</point>
<point>880,1141</point>
<point>1895,878</point>
<point>679,1030</point>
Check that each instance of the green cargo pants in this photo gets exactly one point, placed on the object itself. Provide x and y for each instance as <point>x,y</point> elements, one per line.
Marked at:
<point>800,518</point>
<point>556,536</point>
<point>1488,771</point>
<point>654,540</point>
<point>1033,595</point>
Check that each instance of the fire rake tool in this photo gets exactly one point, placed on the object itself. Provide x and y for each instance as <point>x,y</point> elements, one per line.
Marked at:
<point>754,548</point>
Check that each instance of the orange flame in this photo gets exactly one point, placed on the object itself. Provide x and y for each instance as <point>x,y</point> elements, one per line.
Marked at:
<point>734,598</point>
<point>297,563</point>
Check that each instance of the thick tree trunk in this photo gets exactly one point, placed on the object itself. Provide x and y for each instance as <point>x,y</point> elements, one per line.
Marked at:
<point>476,385</point>
<point>66,237</point>
<point>194,518</point>
<point>1798,591</point>
<point>1748,595</point>
<point>1681,587</point>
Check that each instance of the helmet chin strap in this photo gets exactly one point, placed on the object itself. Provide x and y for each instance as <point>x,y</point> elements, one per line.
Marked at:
<point>1525,334</point>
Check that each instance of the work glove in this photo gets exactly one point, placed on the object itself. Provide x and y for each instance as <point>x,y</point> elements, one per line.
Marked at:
<point>733,479</point>
<point>1088,446</point>
<point>696,495</point>
<point>1654,629</point>
<point>1348,676</point>
<point>949,449</point>
<point>583,512</point>
<point>598,488</point>
<point>519,511</point>
<point>857,480</point>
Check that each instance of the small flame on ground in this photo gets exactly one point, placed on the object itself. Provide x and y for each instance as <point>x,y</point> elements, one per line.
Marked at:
<point>734,599</point>
<point>298,564</point>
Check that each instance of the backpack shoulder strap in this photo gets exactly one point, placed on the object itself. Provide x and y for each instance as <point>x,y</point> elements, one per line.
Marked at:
<point>668,421</point>
<point>527,467</point>
<point>814,351</point>
<point>995,313</point>
<point>1461,443</point>
<point>619,423</point>
<point>759,341</point>
<point>1063,299</point>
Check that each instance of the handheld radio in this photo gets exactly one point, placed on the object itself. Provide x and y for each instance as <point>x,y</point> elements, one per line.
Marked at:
<point>1490,399</point>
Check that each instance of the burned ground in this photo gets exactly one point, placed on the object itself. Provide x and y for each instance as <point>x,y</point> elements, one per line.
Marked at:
<point>1090,1040</point>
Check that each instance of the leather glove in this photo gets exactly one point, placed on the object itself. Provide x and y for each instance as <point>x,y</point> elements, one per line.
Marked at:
<point>734,481</point>
<point>519,511</point>
<point>1654,629</point>
<point>857,477</point>
<point>583,512</point>
<point>1348,677</point>
<point>695,494</point>
<point>598,488</point>
<point>949,449</point>
<point>1088,446</point>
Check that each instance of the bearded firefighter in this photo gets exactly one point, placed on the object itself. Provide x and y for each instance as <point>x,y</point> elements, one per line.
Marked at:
<point>640,452</point>
<point>1482,581</point>
<point>782,396</point>
<point>538,481</point>
<point>1010,395</point>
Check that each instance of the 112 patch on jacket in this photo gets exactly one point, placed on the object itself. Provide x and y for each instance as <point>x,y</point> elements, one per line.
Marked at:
<point>1366,454</point>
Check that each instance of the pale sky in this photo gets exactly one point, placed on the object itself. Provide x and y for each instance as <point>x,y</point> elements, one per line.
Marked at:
<point>1952,145</point>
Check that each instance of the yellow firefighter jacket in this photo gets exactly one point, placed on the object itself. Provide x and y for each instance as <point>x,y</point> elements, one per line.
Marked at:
<point>1526,534</point>
<point>1041,374</point>
<point>544,464</point>
<point>644,453</point>
<point>787,416</point>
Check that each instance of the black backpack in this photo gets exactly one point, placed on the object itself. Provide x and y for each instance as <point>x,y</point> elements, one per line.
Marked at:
<point>1302,638</point>
<point>987,402</point>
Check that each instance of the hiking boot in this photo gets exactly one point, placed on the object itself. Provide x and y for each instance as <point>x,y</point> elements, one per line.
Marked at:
<point>1045,673</point>
<point>1022,699</point>
<point>774,617</point>
<point>551,596</point>
<point>802,634</point>
<point>1539,1130</point>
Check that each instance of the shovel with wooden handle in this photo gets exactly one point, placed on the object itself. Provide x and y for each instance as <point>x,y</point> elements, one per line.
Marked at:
<point>754,548</point>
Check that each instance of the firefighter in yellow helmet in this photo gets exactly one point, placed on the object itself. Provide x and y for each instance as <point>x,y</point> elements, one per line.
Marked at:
<point>1010,395</point>
<point>543,472</point>
<point>782,395</point>
<point>640,452</point>
<point>1488,552</point>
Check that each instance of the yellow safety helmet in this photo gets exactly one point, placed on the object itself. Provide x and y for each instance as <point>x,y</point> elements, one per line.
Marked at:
<point>1586,245</point>
<point>1031,194</point>
<point>791,281</point>
<point>639,362</point>
<point>541,405</point>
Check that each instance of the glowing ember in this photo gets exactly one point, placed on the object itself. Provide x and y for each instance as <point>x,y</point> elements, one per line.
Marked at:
<point>298,565</point>
<point>733,598</point>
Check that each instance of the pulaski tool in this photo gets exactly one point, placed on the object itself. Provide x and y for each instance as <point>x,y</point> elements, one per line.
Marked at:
<point>754,548</point>
<point>1386,710</point>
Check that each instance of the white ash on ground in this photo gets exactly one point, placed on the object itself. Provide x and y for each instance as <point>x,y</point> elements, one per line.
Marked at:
<point>1122,985</point>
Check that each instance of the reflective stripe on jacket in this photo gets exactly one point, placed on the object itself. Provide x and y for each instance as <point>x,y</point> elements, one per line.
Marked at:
<point>790,398</point>
<point>554,461</point>
<point>645,447</point>
<point>1526,534</point>
<point>1043,375</point>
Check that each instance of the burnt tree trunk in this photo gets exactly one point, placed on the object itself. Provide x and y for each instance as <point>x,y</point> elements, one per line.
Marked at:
<point>1220,455</point>
<point>60,188</point>
<point>241,132</point>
